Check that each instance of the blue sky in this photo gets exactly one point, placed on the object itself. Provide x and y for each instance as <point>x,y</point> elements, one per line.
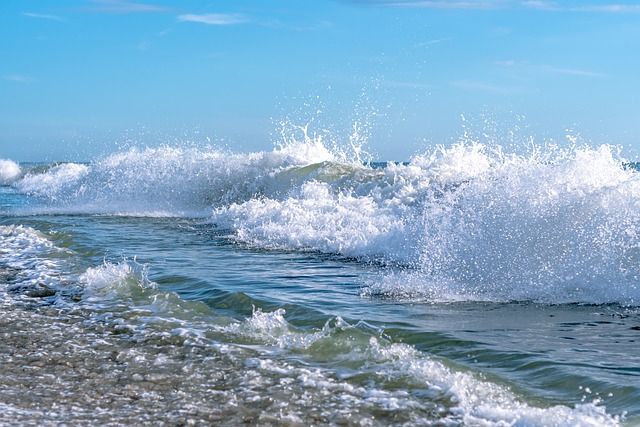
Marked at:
<point>82,78</point>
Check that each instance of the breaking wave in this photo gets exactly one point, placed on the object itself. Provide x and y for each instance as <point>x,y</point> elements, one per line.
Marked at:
<point>553,225</point>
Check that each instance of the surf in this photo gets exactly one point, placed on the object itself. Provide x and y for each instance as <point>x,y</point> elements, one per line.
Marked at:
<point>10,171</point>
<point>118,315</point>
<point>469,221</point>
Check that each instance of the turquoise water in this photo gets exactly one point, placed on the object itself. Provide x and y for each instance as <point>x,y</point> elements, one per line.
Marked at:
<point>194,286</point>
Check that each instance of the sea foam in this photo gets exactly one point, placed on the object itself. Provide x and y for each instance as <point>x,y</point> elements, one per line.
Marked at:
<point>122,296</point>
<point>9,172</point>
<point>558,226</point>
<point>456,397</point>
<point>469,221</point>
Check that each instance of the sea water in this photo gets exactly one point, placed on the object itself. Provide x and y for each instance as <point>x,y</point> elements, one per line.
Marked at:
<point>183,285</point>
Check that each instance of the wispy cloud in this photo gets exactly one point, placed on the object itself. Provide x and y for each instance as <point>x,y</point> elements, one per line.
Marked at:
<point>18,78</point>
<point>214,18</point>
<point>573,72</point>
<point>540,5</point>
<point>406,85</point>
<point>449,4</point>
<point>528,67</point>
<point>475,85</point>
<point>499,31</point>
<point>43,16</point>
<point>502,4</point>
<point>612,8</point>
<point>435,41</point>
<point>124,6</point>
<point>310,26</point>
<point>506,63</point>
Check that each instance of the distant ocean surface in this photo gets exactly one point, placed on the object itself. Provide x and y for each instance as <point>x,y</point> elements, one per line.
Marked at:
<point>467,286</point>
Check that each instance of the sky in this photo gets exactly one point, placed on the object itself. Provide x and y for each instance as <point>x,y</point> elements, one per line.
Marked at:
<point>80,79</point>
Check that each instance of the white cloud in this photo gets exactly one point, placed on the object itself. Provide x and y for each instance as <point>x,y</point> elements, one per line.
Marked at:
<point>613,8</point>
<point>499,31</point>
<point>214,18</point>
<point>43,16</point>
<point>446,4</point>
<point>18,78</point>
<point>406,85</point>
<point>503,4</point>
<point>540,5</point>
<point>482,87</point>
<point>124,6</point>
<point>313,26</point>
<point>506,63</point>
<point>573,72</point>
<point>528,67</point>
<point>435,41</point>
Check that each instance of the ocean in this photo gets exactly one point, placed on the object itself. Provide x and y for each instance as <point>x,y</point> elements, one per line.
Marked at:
<point>196,285</point>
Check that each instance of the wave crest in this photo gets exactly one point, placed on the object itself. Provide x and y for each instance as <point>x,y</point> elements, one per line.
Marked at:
<point>9,172</point>
<point>469,221</point>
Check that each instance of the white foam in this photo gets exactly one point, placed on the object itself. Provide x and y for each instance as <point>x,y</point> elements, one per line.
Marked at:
<point>561,228</point>
<point>557,226</point>
<point>59,182</point>
<point>168,180</point>
<point>470,221</point>
<point>471,399</point>
<point>122,294</point>
<point>318,219</point>
<point>114,281</point>
<point>9,172</point>
<point>34,258</point>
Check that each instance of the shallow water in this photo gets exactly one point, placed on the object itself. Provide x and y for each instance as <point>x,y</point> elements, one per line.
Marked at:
<point>345,295</point>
